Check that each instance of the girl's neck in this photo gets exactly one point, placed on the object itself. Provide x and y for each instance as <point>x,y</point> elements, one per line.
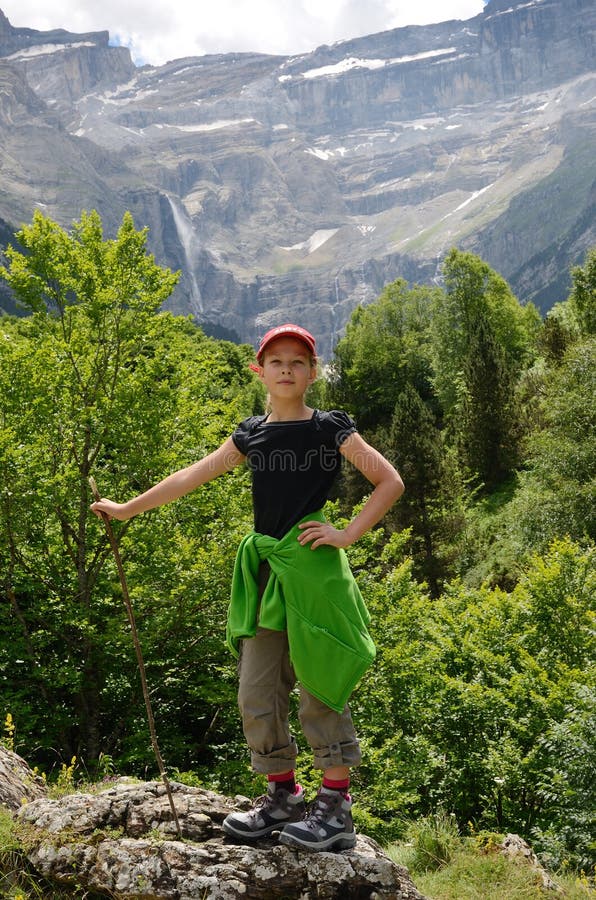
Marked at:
<point>289,413</point>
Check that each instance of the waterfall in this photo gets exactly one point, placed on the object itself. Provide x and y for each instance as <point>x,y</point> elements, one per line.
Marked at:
<point>334,308</point>
<point>190,245</point>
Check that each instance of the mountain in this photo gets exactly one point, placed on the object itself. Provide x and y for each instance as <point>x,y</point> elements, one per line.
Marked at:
<point>296,187</point>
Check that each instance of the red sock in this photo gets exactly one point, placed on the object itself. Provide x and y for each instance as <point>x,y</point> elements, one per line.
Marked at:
<point>342,785</point>
<point>285,780</point>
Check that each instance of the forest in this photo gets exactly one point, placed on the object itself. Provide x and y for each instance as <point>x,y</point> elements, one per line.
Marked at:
<point>480,581</point>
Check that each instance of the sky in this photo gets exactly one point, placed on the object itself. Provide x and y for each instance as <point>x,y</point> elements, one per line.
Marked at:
<point>160,30</point>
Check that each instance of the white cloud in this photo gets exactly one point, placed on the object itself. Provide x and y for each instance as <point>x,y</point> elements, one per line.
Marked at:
<point>157,30</point>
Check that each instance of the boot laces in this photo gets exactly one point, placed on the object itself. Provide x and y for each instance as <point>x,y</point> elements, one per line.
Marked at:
<point>320,810</point>
<point>264,801</point>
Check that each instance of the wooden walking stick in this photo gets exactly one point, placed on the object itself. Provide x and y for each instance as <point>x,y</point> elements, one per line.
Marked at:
<point>141,664</point>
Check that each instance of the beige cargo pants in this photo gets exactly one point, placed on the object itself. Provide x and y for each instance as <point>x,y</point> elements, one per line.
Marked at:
<point>266,681</point>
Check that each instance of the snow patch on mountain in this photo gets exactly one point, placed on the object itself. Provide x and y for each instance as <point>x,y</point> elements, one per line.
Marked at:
<point>352,62</point>
<point>315,241</point>
<point>210,126</point>
<point>505,12</point>
<point>46,49</point>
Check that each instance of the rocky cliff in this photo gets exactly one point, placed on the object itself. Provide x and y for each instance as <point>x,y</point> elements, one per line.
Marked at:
<point>296,187</point>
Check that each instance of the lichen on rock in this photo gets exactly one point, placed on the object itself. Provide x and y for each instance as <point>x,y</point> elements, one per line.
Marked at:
<point>121,842</point>
<point>18,782</point>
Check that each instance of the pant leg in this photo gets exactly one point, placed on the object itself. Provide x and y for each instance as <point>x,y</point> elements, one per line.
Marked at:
<point>331,735</point>
<point>266,680</point>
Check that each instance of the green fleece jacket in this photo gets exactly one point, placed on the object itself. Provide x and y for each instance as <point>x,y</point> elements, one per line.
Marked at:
<point>313,595</point>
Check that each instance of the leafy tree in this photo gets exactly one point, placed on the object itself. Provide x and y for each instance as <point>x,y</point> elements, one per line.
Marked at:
<point>97,381</point>
<point>474,292</point>
<point>474,700</point>
<point>583,294</point>
<point>568,785</point>
<point>382,374</point>
<point>556,490</point>
<point>385,347</point>
<point>555,337</point>
<point>482,340</point>
<point>462,351</point>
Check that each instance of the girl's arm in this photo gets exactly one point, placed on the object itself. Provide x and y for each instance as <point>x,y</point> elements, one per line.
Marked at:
<point>176,485</point>
<point>388,487</point>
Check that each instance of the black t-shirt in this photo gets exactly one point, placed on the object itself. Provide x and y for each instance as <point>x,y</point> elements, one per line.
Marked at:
<point>293,465</point>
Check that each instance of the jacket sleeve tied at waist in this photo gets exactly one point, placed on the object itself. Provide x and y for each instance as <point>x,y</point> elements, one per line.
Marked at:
<point>313,595</point>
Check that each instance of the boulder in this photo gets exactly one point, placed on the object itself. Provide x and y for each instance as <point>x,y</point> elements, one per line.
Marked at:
<point>18,783</point>
<point>516,848</point>
<point>122,841</point>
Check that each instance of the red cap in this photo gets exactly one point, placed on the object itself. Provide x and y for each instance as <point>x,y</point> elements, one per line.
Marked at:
<point>292,331</point>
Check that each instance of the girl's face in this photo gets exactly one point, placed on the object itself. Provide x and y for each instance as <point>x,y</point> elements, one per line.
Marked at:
<point>287,368</point>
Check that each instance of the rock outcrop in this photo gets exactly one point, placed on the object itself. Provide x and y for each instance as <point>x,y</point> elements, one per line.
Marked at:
<point>122,842</point>
<point>18,783</point>
<point>516,848</point>
<point>297,187</point>
<point>87,61</point>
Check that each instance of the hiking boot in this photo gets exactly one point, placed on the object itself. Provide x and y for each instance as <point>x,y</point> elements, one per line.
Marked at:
<point>328,825</point>
<point>269,813</point>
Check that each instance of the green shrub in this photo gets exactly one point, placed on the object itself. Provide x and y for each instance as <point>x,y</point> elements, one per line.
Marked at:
<point>433,841</point>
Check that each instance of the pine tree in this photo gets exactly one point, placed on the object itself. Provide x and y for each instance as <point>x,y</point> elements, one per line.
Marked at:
<point>415,447</point>
<point>486,427</point>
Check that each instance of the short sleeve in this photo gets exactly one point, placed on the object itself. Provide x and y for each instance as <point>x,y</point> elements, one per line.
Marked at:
<point>242,433</point>
<point>338,424</point>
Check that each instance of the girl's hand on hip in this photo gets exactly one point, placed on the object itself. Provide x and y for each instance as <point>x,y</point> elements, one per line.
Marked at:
<point>321,533</point>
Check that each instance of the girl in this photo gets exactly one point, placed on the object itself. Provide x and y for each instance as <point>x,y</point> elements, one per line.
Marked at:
<point>296,613</point>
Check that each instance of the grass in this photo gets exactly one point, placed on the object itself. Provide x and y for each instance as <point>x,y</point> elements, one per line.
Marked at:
<point>18,881</point>
<point>445,866</point>
<point>472,876</point>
